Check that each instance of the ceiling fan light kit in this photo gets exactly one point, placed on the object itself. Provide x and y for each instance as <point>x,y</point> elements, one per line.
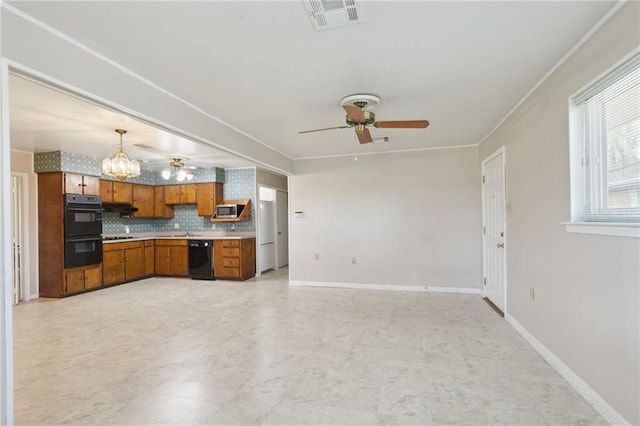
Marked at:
<point>364,101</point>
<point>359,115</point>
<point>119,165</point>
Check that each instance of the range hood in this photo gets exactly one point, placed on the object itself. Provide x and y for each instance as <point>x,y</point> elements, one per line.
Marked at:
<point>122,208</point>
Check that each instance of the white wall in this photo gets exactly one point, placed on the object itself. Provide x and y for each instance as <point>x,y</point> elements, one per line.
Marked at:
<point>586,286</point>
<point>409,219</point>
<point>271,180</point>
<point>6,287</point>
<point>22,162</point>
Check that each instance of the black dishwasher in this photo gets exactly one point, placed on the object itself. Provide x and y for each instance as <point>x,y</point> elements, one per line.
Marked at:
<point>201,259</point>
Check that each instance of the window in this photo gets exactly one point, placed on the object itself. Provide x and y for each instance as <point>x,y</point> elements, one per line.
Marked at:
<point>605,121</point>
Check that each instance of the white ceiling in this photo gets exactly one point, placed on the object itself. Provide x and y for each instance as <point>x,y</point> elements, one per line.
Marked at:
<point>261,67</point>
<point>43,119</point>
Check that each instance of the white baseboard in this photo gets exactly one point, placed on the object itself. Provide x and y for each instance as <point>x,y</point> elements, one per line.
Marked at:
<point>387,287</point>
<point>592,397</point>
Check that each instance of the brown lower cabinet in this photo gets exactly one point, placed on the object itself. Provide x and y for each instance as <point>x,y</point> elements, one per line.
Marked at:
<point>172,258</point>
<point>123,262</point>
<point>131,260</point>
<point>234,259</point>
<point>149,257</point>
<point>83,278</point>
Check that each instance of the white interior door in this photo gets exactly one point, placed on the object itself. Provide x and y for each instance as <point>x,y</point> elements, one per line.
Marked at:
<point>493,203</point>
<point>17,238</point>
<point>282,229</point>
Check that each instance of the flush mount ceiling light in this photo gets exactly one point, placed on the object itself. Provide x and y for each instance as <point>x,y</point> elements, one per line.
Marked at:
<point>177,170</point>
<point>119,165</point>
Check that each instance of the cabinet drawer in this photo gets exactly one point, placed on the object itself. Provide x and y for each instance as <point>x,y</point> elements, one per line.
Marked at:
<point>231,252</point>
<point>231,243</point>
<point>148,243</point>
<point>171,242</point>
<point>230,272</point>
<point>231,261</point>
<point>121,246</point>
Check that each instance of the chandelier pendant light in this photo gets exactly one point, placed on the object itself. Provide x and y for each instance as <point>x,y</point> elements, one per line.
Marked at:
<point>119,165</point>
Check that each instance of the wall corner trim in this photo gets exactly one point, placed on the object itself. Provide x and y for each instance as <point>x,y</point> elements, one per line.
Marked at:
<point>386,287</point>
<point>592,397</point>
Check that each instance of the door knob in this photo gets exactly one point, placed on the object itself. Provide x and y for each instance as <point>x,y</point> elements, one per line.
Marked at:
<point>500,245</point>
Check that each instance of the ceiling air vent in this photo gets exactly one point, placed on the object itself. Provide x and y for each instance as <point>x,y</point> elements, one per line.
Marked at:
<point>329,14</point>
<point>142,145</point>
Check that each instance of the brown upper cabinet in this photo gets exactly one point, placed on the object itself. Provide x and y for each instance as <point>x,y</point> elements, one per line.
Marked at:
<point>209,196</point>
<point>180,194</point>
<point>160,207</point>
<point>116,192</point>
<point>143,199</point>
<point>81,184</point>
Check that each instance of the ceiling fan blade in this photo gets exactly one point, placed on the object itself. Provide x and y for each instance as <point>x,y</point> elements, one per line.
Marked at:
<point>326,128</point>
<point>364,136</point>
<point>354,113</point>
<point>408,124</point>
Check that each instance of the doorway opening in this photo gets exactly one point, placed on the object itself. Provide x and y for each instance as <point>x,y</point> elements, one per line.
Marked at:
<point>273,229</point>
<point>19,237</point>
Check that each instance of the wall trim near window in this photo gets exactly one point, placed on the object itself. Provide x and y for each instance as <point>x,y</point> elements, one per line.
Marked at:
<point>630,230</point>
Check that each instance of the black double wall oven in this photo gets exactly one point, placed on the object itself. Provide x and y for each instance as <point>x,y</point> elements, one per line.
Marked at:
<point>82,230</point>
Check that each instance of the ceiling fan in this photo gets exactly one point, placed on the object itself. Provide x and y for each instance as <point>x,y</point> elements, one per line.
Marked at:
<point>360,116</point>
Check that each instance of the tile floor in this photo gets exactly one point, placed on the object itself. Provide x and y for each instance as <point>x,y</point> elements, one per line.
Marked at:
<point>171,351</point>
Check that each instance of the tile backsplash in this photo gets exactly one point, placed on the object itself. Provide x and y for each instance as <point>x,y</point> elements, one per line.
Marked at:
<point>240,183</point>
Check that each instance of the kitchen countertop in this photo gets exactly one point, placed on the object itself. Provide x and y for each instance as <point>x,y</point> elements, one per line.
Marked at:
<point>122,238</point>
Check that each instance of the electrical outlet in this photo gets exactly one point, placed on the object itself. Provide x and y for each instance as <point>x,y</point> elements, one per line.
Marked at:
<point>176,226</point>
<point>213,226</point>
<point>316,256</point>
<point>532,294</point>
<point>354,260</point>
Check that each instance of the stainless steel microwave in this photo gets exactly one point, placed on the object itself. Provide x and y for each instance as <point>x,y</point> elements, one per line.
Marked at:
<point>229,210</point>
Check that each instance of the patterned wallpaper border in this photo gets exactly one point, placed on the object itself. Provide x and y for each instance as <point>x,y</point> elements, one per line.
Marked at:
<point>59,161</point>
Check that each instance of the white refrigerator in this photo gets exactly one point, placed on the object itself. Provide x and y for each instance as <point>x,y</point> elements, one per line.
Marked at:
<point>266,236</point>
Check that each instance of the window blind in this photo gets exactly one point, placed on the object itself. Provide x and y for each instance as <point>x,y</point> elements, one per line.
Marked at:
<point>610,113</point>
